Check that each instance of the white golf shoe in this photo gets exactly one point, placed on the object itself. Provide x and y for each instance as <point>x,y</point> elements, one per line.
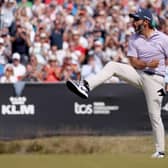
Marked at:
<point>158,155</point>
<point>80,88</point>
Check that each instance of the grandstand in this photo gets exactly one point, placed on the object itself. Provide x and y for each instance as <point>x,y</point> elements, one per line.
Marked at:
<point>57,40</point>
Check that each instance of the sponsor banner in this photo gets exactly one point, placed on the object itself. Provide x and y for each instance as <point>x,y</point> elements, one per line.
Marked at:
<point>51,109</point>
<point>95,108</point>
<point>17,106</point>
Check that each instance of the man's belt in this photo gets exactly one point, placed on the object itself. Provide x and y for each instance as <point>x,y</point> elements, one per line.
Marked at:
<point>153,73</point>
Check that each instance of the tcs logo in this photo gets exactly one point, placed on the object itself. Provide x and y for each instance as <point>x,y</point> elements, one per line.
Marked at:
<point>83,108</point>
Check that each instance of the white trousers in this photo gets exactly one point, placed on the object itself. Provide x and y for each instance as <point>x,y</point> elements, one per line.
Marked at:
<point>150,84</point>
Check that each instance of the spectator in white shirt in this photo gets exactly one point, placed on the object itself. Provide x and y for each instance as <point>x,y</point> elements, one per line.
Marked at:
<point>38,7</point>
<point>19,69</point>
<point>90,68</point>
<point>8,76</point>
<point>8,10</point>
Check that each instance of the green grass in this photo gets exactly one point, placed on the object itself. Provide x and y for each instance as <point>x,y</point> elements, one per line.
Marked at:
<point>81,152</point>
<point>81,161</point>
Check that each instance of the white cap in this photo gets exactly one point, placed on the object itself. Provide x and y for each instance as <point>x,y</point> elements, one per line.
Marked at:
<point>43,35</point>
<point>69,19</point>
<point>8,66</point>
<point>52,58</point>
<point>98,43</point>
<point>1,40</point>
<point>75,32</point>
<point>16,56</point>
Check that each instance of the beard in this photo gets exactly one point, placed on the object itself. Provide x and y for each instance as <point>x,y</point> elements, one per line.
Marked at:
<point>139,29</point>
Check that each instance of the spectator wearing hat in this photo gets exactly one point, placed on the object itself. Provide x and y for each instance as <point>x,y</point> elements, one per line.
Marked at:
<point>8,76</point>
<point>18,67</point>
<point>99,54</point>
<point>51,72</point>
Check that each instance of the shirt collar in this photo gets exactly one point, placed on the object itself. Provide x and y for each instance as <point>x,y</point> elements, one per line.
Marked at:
<point>155,33</point>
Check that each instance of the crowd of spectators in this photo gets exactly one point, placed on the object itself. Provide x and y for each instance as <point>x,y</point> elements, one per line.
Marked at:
<point>54,40</point>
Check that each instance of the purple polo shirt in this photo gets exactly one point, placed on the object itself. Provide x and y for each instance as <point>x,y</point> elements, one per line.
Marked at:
<point>147,49</point>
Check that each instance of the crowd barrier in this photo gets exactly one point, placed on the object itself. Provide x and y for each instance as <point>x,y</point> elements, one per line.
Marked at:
<point>51,109</point>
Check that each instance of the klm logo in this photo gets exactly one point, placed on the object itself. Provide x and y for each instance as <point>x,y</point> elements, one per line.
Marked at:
<point>17,106</point>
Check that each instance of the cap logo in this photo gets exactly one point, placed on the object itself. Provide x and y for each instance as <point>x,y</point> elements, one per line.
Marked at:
<point>146,17</point>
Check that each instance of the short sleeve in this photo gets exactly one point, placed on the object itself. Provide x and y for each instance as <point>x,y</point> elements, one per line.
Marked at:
<point>132,51</point>
<point>165,46</point>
